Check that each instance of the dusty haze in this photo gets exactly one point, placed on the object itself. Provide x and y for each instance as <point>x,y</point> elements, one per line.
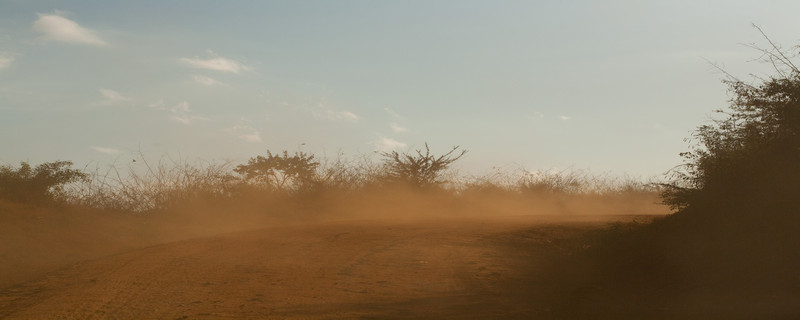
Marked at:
<point>399,254</point>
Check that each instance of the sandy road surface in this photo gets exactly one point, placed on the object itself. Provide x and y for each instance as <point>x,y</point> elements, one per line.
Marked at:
<point>349,269</point>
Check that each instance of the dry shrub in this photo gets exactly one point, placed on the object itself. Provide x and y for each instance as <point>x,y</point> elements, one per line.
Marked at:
<point>146,187</point>
<point>562,192</point>
<point>300,186</point>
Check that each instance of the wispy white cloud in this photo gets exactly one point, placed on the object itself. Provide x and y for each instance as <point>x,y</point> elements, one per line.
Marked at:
<point>343,115</point>
<point>182,112</point>
<point>320,108</point>
<point>398,129</point>
<point>392,113</point>
<point>253,136</point>
<point>204,80</point>
<point>388,144</point>
<point>55,27</point>
<point>347,116</point>
<point>160,105</point>
<point>215,63</point>
<point>112,97</point>
<point>245,133</point>
<point>5,60</point>
<point>564,118</point>
<point>536,115</point>
<point>182,107</point>
<point>182,118</point>
<point>106,150</point>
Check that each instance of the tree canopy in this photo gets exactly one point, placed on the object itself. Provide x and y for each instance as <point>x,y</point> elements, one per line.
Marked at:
<point>40,185</point>
<point>280,171</point>
<point>749,158</point>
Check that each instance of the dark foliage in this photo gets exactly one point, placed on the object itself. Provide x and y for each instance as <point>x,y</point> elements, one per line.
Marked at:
<point>282,172</point>
<point>749,160</point>
<point>733,239</point>
<point>41,185</point>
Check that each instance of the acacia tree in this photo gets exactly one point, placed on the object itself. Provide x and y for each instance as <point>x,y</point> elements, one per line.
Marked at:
<point>419,169</point>
<point>749,160</point>
<point>43,184</point>
<point>280,171</point>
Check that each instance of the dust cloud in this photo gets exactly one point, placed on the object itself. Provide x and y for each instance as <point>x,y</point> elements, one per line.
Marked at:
<point>397,253</point>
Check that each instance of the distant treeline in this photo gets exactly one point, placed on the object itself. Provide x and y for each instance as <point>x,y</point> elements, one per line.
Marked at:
<point>398,179</point>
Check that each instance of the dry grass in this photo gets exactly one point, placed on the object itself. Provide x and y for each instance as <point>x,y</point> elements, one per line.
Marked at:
<point>147,187</point>
<point>358,188</point>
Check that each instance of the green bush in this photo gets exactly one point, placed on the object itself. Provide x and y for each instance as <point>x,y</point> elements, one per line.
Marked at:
<point>41,185</point>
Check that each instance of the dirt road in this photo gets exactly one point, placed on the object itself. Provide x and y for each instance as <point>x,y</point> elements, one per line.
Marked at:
<point>457,269</point>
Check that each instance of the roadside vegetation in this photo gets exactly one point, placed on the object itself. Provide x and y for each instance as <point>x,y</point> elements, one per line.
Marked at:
<point>730,250</point>
<point>52,215</point>
<point>411,183</point>
<point>43,184</point>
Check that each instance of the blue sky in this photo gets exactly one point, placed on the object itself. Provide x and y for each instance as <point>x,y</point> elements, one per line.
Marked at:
<point>607,86</point>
